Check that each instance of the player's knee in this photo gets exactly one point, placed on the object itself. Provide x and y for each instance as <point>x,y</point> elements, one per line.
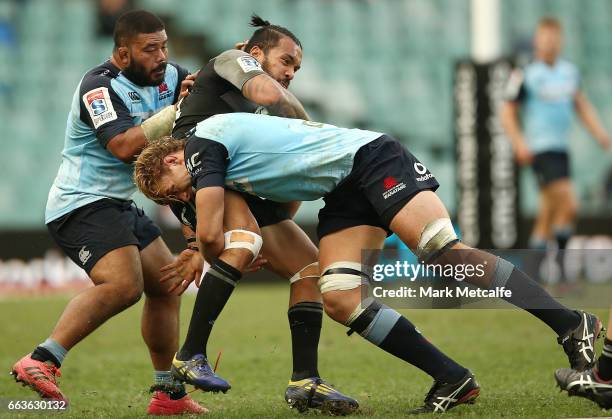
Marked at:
<point>241,248</point>
<point>437,236</point>
<point>334,307</point>
<point>308,271</point>
<point>131,294</point>
<point>336,278</point>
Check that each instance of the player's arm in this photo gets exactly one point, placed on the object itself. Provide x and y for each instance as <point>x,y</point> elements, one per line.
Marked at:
<point>103,110</point>
<point>210,209</point>
<point>510,120</point>
<point>588,115</point>
<point>244,72</point>
<point>207,163</point>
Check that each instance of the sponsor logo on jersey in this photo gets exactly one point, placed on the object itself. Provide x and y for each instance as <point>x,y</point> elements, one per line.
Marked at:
<point>422,170</point>
<point>192,164</point>
<point>99,106</point>
<point>389,182</point>
<point>248,63</point>
<point>392,186</point>
<point>135,97</point>
<point>164,91</point>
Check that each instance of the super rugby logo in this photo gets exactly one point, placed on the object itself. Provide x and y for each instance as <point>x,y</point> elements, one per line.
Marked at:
<point>248,63</point>
<point>421,170</point>
<point>392,186</point>
<point>99,106</point>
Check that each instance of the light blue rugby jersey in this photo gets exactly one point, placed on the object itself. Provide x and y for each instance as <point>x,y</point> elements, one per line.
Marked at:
<point>546,94</point>
<point>104,105</point>
<point>275,158</point>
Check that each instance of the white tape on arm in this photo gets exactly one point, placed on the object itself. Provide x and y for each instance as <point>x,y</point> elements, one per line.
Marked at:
<point>160,124</point>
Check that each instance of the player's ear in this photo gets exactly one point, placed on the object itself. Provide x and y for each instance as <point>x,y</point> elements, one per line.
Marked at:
<point>257,53</point>
<point>124,55</point>
<point>170,160</point>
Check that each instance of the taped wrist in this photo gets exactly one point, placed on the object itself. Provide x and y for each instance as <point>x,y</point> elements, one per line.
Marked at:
<point>160,124</point>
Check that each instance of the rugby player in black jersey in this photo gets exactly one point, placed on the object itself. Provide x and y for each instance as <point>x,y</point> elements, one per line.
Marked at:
<point>253,80</point>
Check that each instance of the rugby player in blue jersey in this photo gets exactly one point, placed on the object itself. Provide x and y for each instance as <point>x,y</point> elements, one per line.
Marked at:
<point>545,95</point>
<point>371,186</point>
<point>117,107</point>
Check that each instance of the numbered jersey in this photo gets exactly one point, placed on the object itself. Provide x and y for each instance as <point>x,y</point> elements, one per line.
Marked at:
<point>105,104</point>
<point>275,158</point>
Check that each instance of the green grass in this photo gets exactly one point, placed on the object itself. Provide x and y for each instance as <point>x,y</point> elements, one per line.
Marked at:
<point>512,354</point>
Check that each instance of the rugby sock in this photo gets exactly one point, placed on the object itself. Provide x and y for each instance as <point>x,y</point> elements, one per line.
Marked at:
<point>164,381</point>
<point>50,350</point>
<point>305,319</point>
<point>531,297</point>
<point>216,287</point>
<point>537,243</point>
<point>562,235</point>
<point>604,363</point>
<point>396,335</point>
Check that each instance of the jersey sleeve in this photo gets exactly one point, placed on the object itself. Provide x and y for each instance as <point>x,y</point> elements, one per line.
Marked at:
<point>102,108</point>
<point>237,67</point>
<point>515,88</point>
<point>206,162</point>
<point>182,74</point>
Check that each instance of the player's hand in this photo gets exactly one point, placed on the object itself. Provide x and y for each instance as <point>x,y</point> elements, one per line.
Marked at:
<point>257,264</point>
<point>186,268</point>
<point>241,45</point>
<point>524,157</point>
<point>187,84</point>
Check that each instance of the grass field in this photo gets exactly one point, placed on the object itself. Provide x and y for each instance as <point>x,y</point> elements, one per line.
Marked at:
<point>512,354</point>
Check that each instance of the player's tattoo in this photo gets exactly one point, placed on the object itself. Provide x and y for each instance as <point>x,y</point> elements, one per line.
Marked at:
<point>288,106</point>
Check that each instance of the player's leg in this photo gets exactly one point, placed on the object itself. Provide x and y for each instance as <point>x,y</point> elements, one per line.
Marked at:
<point>594,384</point>
<point>160,326</point>
<point>217,285</point>
<point>96,238</point>
<point>566,208</point>
<point>341,278</point>
<point>542,226</point>
<point>559,187</point>
<point>292,255</point>
<point>424,225</point>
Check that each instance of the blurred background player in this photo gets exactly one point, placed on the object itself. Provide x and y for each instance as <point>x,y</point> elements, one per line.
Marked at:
<point>545,95</point>
<point>91,217</point>
<point>254,80</point>
<point>596,383</point>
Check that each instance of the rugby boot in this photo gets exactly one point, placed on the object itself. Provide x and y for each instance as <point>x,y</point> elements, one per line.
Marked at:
<point>39,376</point>
<point>163,404</point>
<point>198,373</point>
<point>585,384</point>
<point>444,396</point>
<point>579,343</point>
<point>315,393</point>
